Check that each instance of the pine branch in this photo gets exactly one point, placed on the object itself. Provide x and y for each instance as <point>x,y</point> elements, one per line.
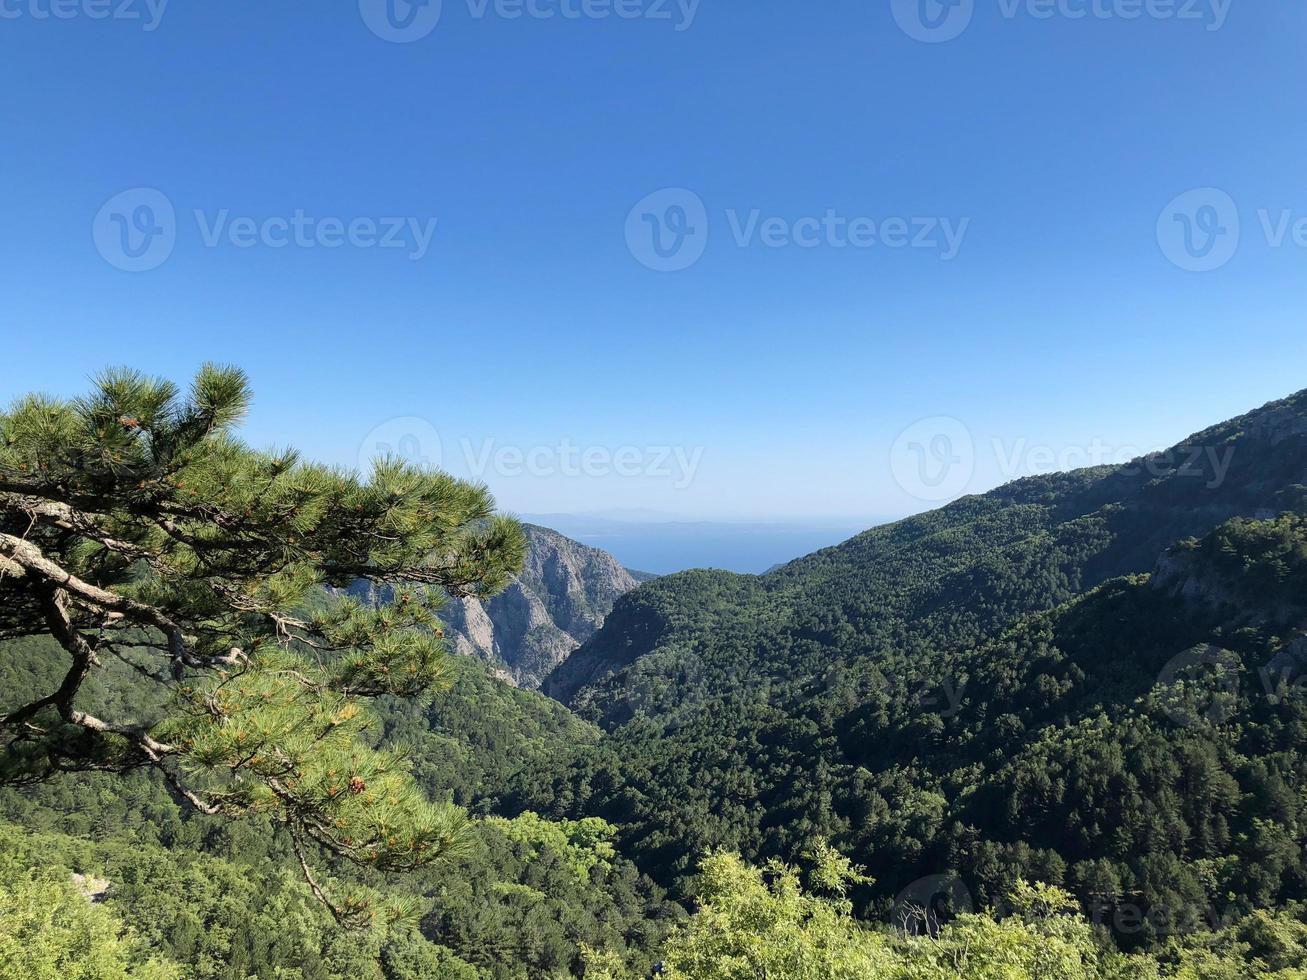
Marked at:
<point>131,519</point>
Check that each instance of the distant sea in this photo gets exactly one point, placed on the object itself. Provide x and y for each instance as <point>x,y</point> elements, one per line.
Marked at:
<point>662,547</point>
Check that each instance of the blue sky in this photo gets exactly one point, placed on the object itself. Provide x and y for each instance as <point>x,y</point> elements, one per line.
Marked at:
<point>528,342</point>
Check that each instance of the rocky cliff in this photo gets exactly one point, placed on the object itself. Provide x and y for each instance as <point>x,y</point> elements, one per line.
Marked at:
<point>561,598</point>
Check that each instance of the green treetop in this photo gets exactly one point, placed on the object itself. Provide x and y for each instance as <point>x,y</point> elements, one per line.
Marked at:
<point>135,527</point>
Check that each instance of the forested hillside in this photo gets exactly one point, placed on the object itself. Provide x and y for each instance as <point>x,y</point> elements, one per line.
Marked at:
<point>978,692</point>
<point>950,574</point>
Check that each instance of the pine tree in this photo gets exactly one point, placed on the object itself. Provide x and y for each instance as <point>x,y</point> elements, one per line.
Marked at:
<point>135,527</point>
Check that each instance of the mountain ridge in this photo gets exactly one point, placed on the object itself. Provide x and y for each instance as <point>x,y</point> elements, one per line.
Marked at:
<point>1079,505</point>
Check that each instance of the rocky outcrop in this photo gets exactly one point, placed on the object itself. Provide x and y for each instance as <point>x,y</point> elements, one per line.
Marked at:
<point>1180,572</point>
<point>92,888</point>
<point>565,591</point>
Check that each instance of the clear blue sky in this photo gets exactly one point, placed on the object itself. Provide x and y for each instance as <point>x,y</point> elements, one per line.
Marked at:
<point>530,324</point>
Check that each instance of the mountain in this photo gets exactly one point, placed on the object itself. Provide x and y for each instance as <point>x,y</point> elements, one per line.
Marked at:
<point>558,601</point>
<point>1087,678</point>
<point>955,572</point>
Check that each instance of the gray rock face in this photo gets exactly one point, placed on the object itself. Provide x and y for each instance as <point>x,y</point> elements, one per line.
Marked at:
<point>1180,573</point>
<point>558,602</point>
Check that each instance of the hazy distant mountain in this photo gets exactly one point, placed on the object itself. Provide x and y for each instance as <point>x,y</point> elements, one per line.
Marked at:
<point>561,598</point>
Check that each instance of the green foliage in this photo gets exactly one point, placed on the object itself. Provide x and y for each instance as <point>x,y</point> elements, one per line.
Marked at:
<point>472,737</point>
<point>50,930</point>
<point>748,926</point>
<point>1040,901</point>
<point>135,527</point>
<point>760,923</point>
<point>303,746</point>
<point>583,844</point>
